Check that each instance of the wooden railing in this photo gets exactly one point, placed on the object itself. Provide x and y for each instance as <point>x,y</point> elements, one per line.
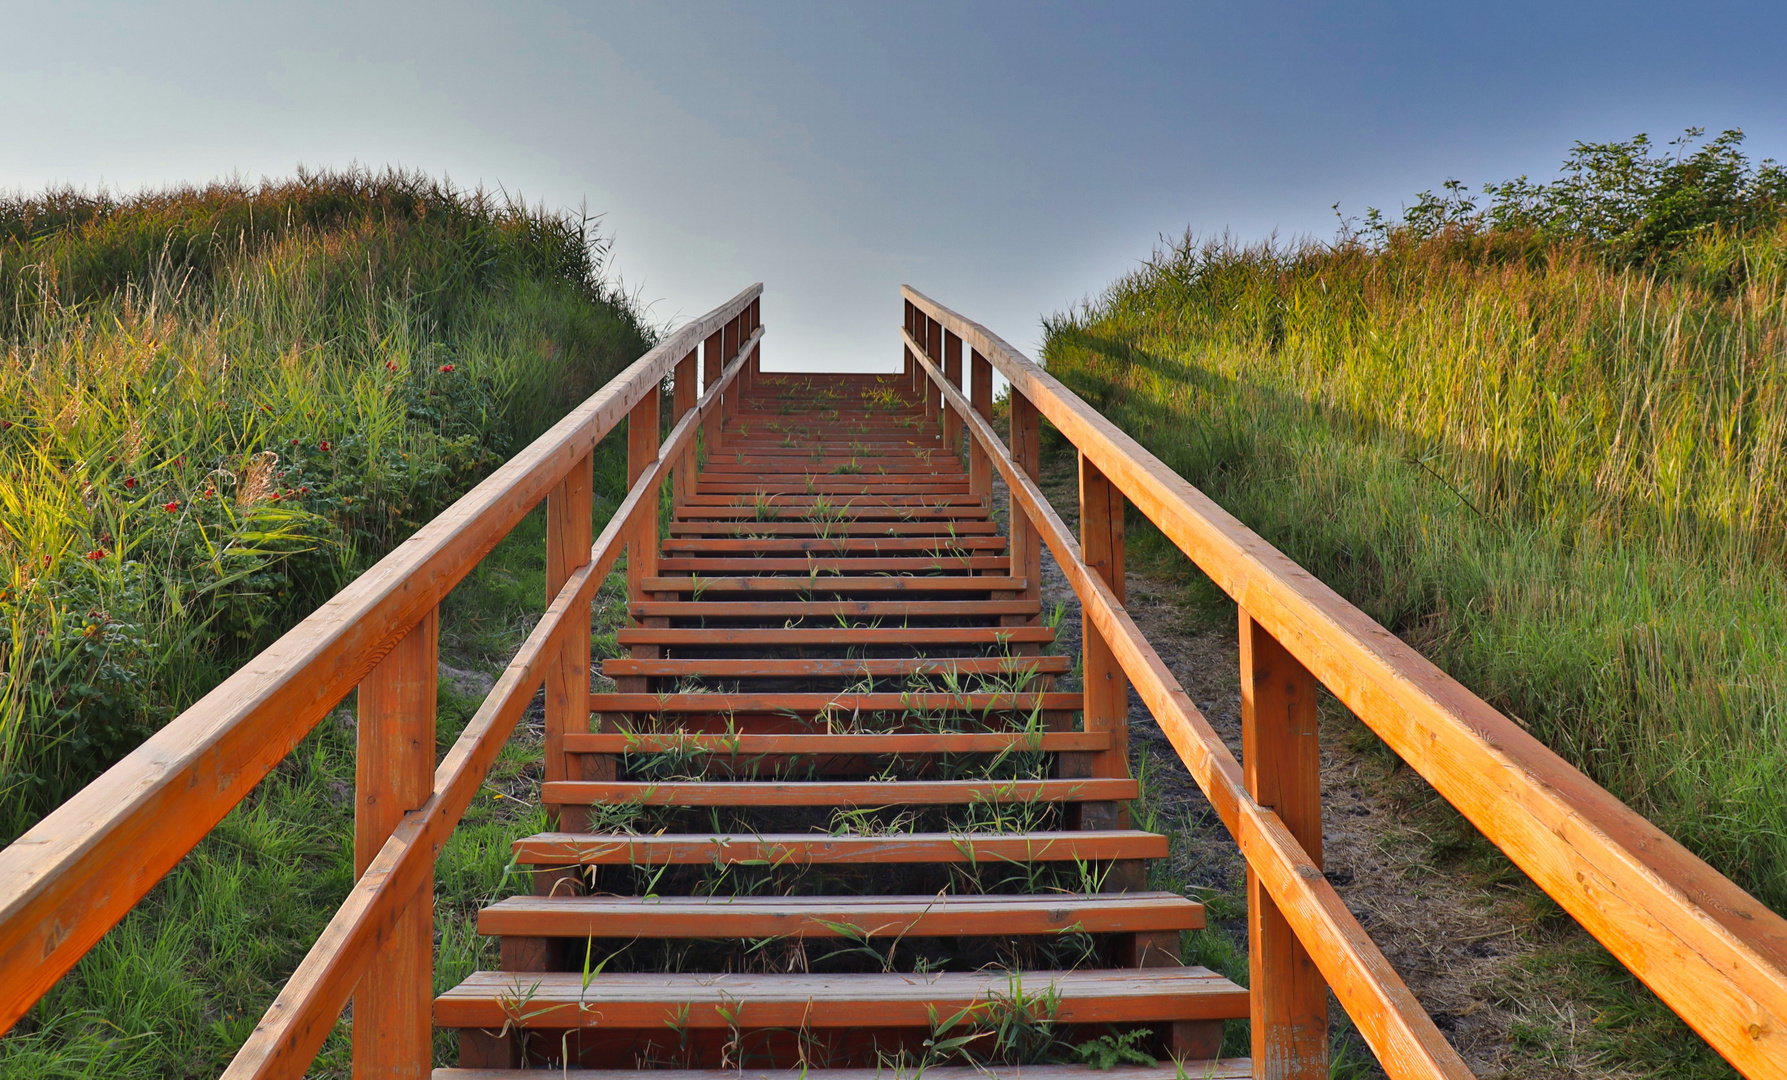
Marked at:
<point>73,876</point>
<point>1712,952</point>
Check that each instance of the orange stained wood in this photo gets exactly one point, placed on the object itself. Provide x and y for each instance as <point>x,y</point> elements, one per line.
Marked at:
<point>819,793</point>
<point>982,742</point>
<point>803,848</point>
<point>833,916</point>
<point>807,703</point>
<point>567,999</point>
<point>978,665</point>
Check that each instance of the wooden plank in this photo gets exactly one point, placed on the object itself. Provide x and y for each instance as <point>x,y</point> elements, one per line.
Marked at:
<point>813,703</point>
<point>837,635</point>
<point>683,480</point>
<point>837,669</point>
<point>943,546</point>
<point>922,564</point>
<point>642,451</point>
<point>832,584</point>
<point>1106,687</point>
<point>781,609</point>
<point>627,742</point>
<point>394,774</point>
<point>800,499</point>
<point>1225,1069</point>
<point>825,916</point>
<point>849,511</point>
<point>569,524</point>
<point>1282,765</point>
<point>832,528</point>
<point>1392,1022</point>
<point>75,874</point>
<point>647,1000</point>
<point>836,793</point>
<point>618,849</point>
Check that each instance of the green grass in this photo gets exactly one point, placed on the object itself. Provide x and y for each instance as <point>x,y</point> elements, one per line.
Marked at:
<point>234,400</point>
<point>217,405</point>
<point>1560,477</point>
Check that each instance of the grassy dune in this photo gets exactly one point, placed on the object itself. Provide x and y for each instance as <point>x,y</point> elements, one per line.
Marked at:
<point>217,406</point>
<point>1554,462</point>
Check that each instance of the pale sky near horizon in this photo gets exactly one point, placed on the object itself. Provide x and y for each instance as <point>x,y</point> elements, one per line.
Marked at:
<point>1009,159</point>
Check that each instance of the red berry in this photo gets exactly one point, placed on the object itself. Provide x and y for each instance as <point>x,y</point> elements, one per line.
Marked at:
<point>446,367</point>
<point>323,446</point>
<point>390,365</point>
<point>130,482</point>
<point>95,555</point>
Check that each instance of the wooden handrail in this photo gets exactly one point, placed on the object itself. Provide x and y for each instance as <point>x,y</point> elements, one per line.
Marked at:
<point>1392,1021</point>
<point>1713,953</point>
<point>77,872</point>
<point>295,1025</point>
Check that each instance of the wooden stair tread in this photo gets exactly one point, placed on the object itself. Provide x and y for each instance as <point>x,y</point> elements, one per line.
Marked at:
<point>823,916</point>
<point>917,564</point>
<point>612,849</point>
<point>488,999</point>
<point>812,703</point>
<point>835,635</point>
<point>833,583</point>
<point>779,609</point>
<point>734,668</point>
<point>841,543</point>
<point>864,793</point>
<point>620,742</point>
<point>832,528</point>
<point>1225,1069</point>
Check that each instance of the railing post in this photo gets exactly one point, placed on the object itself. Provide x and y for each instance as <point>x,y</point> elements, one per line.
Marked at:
<point>570,526</point>
<point>952,370</point>
<point>933,343</point>
<point>394,773</point>
<point>683,482</point>
<point>1106,687</point>
<point>712,363</point>
<point>642,450</point>
<point>1281,761</point>
<point>980,395</point>
<point>910,370</point>
<point>730,401</point>
<point>1026,541</point>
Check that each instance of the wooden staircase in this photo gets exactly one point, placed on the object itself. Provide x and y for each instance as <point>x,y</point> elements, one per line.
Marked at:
<point>837,816</point>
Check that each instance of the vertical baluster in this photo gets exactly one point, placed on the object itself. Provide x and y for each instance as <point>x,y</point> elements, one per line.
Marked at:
<point>683,483</point>
<point>980,395</point>
<point>730,401</point>
<point>934,349</point>
<point>952,370</point>
<point>1106,687</point>
<point>712,363</point>
<point>642,450</point>
<point>569,532</point>
<point>910,370</point>
<point>394,773</point>
<point>1281,761</point>
<point>1026,542</point>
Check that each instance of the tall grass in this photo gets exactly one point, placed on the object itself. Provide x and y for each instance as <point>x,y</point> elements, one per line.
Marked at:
<point>218,404</point>
<point>1560,476</point>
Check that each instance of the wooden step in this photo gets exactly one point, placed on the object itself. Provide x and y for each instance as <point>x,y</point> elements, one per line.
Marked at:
<point>921,564</point>
<point>829,485</point>
<point>837,636</point>
<point>1225,1069</point>
<point>817,703</point>
<point>803,849</point>
<point>832,583</point>
<point>871,793</point>
<point>825,609</point>
<point>490,999</point>
<point>800,745</point>
<point>849,508</point>
<point>829,916</point>
<point>865,499</point>
<point>839,669</point>
<point>864,545</point>
<point>831,528</point>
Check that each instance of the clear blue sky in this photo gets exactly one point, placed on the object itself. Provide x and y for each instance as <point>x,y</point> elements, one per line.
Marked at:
<point>1008,159</point>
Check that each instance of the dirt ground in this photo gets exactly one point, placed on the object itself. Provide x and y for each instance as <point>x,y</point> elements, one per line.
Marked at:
<point>1462,943</point>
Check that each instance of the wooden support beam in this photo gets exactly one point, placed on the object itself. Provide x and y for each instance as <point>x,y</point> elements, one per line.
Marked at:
<point>1106,687</point>
<point>952,370</point>
<point>642,450</point>
<point>394,774</point>
<point>1026,542</point>
<point>980,467</point>
<point>684,482</point>
<point>570,525</point>
<point>712,363</point>
<point>1282,764</point>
